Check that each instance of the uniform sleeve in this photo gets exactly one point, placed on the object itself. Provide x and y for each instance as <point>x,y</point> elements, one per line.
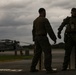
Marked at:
<point>65,22</point>
<point>33,32</point>
<point>50,30</point>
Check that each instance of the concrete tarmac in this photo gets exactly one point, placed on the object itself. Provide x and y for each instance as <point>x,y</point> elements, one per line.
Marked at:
<point>22,67</point>
<point>39,73</point>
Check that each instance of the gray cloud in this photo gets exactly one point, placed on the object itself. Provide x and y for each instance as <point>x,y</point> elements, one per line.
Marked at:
<point>16,16</point>
<point>65,4</point>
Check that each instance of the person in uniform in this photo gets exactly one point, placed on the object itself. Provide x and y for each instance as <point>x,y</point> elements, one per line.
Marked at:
<point>41,27</point>
<point>69,36</point>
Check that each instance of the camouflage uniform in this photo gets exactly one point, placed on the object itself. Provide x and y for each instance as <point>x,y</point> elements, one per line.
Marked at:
<point>69,38</point>
<point>41,27</point>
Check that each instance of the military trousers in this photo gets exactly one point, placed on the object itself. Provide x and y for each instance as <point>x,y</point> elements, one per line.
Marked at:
<point>42,44</point>
<point>69,44</point>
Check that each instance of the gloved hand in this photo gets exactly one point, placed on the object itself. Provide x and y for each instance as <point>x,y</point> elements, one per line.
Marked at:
<point>55,42</point>
<point>59,35</point>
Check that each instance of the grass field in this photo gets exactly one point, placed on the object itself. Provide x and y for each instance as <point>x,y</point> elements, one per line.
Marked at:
<point>4,58</point>
<point>10,56</point>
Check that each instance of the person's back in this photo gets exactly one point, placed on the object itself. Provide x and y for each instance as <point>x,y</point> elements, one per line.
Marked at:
<point>39,24</point>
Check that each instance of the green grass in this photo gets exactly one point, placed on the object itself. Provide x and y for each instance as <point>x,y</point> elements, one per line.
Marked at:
<point>4,58</point>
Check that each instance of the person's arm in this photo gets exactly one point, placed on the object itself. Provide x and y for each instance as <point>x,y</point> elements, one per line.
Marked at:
<point>50,30</point>
<point>65,22</point>
<point>33,32</point>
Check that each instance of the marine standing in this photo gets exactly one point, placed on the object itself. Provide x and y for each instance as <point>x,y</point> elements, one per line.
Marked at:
<point>69,36</point>
<point>41,26</point>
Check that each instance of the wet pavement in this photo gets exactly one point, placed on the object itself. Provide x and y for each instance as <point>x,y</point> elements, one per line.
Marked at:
<point>22,67</point>
<point>19,64</point>
<point>39,73</point>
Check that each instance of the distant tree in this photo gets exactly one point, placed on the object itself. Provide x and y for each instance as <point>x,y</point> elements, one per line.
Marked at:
<point>59,45</point>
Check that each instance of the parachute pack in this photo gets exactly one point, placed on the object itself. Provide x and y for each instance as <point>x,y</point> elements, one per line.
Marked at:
<point>71,27</point>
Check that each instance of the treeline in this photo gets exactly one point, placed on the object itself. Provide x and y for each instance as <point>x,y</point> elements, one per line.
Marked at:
<point>54,46</point>
<point>7,44</point>
<point>58,46</point>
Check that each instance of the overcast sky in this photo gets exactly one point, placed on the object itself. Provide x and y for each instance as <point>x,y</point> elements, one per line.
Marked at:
<point>16,17</point>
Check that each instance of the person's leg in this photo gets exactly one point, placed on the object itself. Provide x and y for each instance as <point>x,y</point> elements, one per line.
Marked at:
<point>68,49</point>
<point>74,39</point>
<point>36,57</point>
<point>75,55</point>
<point>47,59</point>
<point>46,47</point>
